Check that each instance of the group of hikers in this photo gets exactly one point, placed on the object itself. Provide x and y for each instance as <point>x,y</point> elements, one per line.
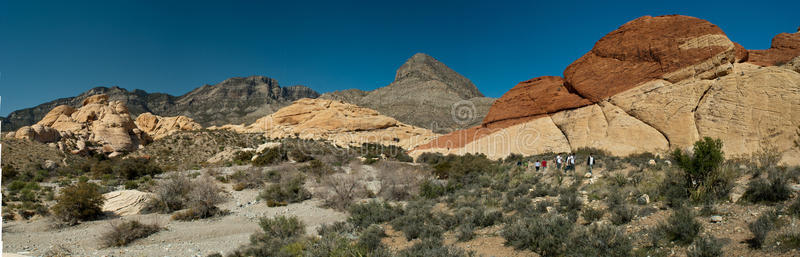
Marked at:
<point>567,165</point>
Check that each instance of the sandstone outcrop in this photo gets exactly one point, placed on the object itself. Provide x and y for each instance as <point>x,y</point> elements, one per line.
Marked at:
<point>341,123</point>
<point>654,84</point>
<point>672,48</point>
<point>158,127</point>
<point>125,202</point>
<point>101,125</point>
<point>784,47</point>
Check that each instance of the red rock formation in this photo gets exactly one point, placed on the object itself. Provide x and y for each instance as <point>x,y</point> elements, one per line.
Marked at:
<point>531,99</point>
<point>645,49</point>
<point>785,46</point>
<point>741,53</point>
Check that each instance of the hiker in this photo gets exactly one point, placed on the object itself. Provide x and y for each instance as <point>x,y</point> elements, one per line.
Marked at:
<point>544,165</point>
<point>558,162</point>
<point>538,164</point>
<point>571,162</point>
<point>590,163</point>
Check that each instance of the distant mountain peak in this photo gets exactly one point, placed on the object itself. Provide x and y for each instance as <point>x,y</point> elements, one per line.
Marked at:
<point>423,67</point>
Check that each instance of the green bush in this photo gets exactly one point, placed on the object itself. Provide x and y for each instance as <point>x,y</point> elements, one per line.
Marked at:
<point>761,227</point>
<point>622,214</point>
<point>545,235</point>
<point>372,212</point>
<point>126,232</point>
<point>789,241</point>
<point>370,238</point>
<point>705,247</point>
<point>299,156</point>
<point>592,214</point>
<point>80,202</point>
<point>432,247</point>
<point>252,177</point>
<point>242,157</point>
<point>270,156</point>
<point>170,194</point>
<point>289,190</point>
<point>681,226</point>
<point>418,222</point>
<point>599,240</point>
<point>317,168</point>
<point>701,168</point>
<point>430,158</point>
<point>281,236</point>
<point>770,190</point>
<point>429,189</point>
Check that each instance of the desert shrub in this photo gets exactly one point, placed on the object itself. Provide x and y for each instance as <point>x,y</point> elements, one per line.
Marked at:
<point>681,227</point>
<point>705,247</point>
<point>80,202</point>
<point>789,240</point>
<point>342,190</point>
<point>9,172</point>
<point>592,214</point>
<point>599,240</point>
<point>430,158</point>
<point>465,232</point>
<point>317,168</point>
<point>270,156</point>
<point>464,169</point>
<point>242,157</point>
<point>622,214</point>
<point>299,156</point>
<point>771,190</point>
<point>373,212</point>
<point>418,221</point>
<point>717,185</point>
<point>370,238</point>
<point>569,203</point>
<point>126,232</point>
<point>761,227</point>
<point>673,189</point>
<point>280,236</point>
<point>132,168</point>
<point>429,189</point>
<point>545,235</point>
<point>701,169</point>
<point>432,247</point>
<point>794,208</point>
<point>252,177</point>
<point>58,250</point>
<point>170,194</point>
<point>289,190</point>
<point>202,200</point>
<point>374,151</point>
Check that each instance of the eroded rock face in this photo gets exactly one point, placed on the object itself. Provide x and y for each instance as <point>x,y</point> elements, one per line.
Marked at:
<point>125,202</point>
<point>532,98</point>
<point>640,90</point>
<point>39,133</point>
<point>158,127</point>
<point>341,123</point>
<point>672,48</point>
<point>785,46</point>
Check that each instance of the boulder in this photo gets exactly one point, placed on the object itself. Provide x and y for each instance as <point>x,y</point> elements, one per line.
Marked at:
<point>50,165</point>
<point>643,199</point>
<point>60,112</point>
<point>672,48</point>
<point>95,99</point>
<point>39,133</point>
<point>125,202</point>
<point>158,127</point>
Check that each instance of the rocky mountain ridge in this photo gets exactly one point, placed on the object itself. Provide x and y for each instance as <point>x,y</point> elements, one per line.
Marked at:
<point>425,93</point>
<point>236,100</point>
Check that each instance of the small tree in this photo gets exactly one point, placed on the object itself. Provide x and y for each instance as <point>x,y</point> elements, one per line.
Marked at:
<point>79,202</point>
<point>706,158</point>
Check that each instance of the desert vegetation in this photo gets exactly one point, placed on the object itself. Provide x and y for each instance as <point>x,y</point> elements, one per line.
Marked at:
<point>639,205</point>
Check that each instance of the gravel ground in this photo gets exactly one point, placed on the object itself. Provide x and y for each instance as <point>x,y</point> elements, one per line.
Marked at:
<point>195,238</point>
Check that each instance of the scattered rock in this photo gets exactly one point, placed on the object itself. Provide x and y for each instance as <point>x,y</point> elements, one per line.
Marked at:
<point>50,165</point>
<point>643,199</point>
<point>716,219</point>
<point>125,202</point>
<point>651,162</point>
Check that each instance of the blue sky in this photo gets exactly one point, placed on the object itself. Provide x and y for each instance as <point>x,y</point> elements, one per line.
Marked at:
<point>53,49</point>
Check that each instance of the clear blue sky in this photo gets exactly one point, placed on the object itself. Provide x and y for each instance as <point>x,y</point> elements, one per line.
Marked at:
<point>53,49</point>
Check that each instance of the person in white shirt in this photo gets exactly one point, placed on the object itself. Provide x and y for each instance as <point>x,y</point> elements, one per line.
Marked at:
<point>538,164</point>
<point>571,160</point>
<point>590,163</point>
<point>558,162</point>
